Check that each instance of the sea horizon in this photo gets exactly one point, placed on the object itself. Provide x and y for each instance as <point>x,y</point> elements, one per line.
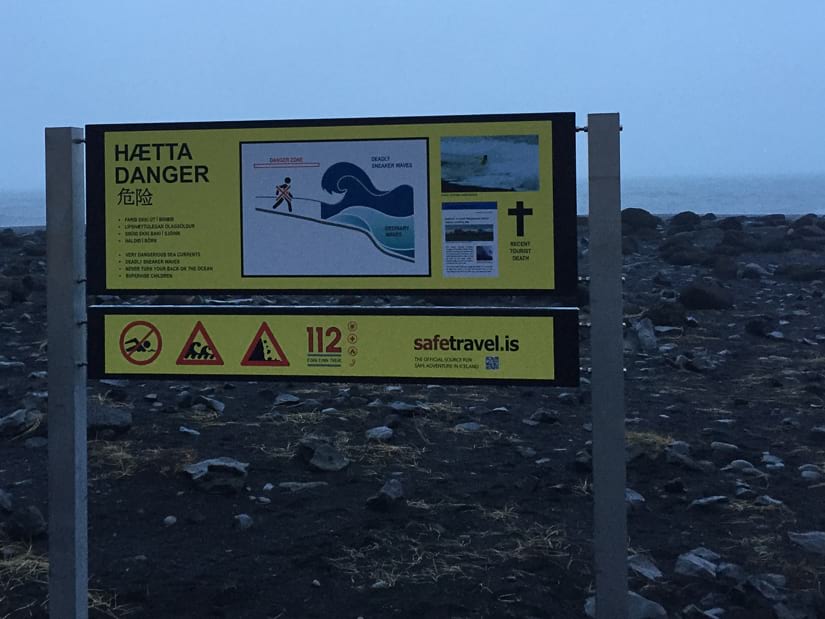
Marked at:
<point>743,194</point>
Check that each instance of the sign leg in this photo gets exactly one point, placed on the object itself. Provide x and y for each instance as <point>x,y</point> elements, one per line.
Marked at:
<point>66,314</point>
<point>607,352</point>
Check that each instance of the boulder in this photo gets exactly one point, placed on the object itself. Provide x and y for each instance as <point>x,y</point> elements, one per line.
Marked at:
<point>638,218</point>
<point>703,295</point>
<point>26,524</point>
<point>101,417</point>
<point>224,475</point>
<point>686,220</point>
<point>320,455</point>
<point>389,497</point>
<point>638,607</point>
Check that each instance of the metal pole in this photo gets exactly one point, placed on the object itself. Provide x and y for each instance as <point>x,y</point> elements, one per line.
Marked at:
<point>66,314</point>
<point>607,359</point>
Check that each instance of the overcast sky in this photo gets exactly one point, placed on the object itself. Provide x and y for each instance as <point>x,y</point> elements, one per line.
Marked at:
<point>723,88</point>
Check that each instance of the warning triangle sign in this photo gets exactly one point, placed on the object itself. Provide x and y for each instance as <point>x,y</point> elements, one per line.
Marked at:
<point>265,350</point>
<point>199,349</point>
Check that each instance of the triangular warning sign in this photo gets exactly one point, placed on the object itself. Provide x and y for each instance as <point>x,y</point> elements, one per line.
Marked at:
<point>199,349</point>
<point>265,350</point>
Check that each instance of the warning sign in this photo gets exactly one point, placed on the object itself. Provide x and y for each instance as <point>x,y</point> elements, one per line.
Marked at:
<point>199,349</point>
<point>140,342</point>
<point>441,204</point>
<point>538,345</point>
<point>265,350</point>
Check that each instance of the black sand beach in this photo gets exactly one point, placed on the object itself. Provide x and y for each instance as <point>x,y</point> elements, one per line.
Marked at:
<point>479,504</point>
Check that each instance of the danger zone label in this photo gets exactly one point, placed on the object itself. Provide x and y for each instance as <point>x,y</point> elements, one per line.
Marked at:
<point>534,345</point>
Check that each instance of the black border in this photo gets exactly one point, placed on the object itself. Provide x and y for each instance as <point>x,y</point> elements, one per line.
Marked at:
<point>564,199</point>
<point>566,340</point>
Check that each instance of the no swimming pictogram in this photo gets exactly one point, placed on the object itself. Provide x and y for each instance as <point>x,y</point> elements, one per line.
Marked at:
<point>265,350</point>
<point>199,349</point>
<point>140,342</point>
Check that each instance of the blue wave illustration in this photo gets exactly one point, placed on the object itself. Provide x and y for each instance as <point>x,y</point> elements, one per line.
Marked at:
<point>394,234</point>
<point>358,189</point>
<point>386,216</point>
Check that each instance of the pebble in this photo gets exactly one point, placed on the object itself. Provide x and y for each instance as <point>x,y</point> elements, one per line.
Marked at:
<point>744,467</point>
<point>633,499</point>
<point>219,474</point>
<point>285,399</point>
<point>644,565</point>
<point>773,463</point>
<point>709,502</point>
<point>470,426</point>
<point>380,434</point>
<point>768,501</point>
<point>169,521</point>
<point>543,415</point>
<point>389,496</point>
<point>720,447</point>
<point>320,455</point>
<point>812,541</point>
<point>811,473</point>
<point>212,403</point>
<point>743,490</point>
<point>5,501</point>
<point>243,521</point>
<point>696,563</point>
<point>298,486</point>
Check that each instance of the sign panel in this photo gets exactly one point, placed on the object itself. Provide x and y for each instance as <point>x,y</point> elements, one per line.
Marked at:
<point>480,345</point>
<point>439,204</point>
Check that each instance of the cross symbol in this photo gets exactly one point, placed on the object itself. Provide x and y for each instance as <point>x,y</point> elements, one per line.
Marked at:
<point>283,193</point>
<point>520,212</point>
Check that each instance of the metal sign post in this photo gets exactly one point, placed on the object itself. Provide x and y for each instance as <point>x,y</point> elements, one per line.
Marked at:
<point>607,360</point>
<point>66,314</point>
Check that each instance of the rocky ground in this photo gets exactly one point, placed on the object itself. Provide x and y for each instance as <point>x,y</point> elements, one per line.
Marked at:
<point>335,500</point>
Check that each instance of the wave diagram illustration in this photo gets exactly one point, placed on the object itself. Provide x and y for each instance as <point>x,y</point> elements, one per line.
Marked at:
<point>386,217</point>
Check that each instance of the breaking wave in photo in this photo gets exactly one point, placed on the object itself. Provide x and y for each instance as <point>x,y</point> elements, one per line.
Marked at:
<point>504,162</point>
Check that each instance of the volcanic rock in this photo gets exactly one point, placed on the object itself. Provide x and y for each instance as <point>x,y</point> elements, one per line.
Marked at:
<point>702,295</point>
<point>218,474</point>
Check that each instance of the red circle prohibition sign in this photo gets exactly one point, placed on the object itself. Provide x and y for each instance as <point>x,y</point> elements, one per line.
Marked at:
<point>136,344</point>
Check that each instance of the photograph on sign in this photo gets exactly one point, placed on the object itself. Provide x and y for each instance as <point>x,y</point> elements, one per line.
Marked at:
<point>470,239</point>
<point>363,205</point>
<point>431,204</point>
<point>415,344</point>
<point>490,163</point>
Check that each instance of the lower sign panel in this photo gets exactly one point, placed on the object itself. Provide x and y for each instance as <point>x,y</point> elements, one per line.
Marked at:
<point>469,345</point>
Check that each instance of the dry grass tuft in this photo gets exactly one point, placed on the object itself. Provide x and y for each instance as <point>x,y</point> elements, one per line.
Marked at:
<point>120,459</point>
<point>20,565</point>
<point>424,553</point>
<point>387,454</point>
<point>111,460</point>
<point>649,441</point>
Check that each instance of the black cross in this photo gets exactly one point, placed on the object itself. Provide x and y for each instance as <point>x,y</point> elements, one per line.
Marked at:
<point>520,213</point>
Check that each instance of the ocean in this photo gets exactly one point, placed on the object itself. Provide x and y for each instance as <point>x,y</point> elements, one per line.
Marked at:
<point>729,195</point>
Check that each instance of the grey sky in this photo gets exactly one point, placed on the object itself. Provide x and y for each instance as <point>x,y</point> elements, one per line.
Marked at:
<point>703,87</point>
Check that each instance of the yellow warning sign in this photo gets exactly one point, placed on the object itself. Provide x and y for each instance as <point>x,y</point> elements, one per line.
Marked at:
<point>265,350</point>
<point>525,345</point>
<point>458,203</point>
<point>140,342</point>
<point>199,349</point>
